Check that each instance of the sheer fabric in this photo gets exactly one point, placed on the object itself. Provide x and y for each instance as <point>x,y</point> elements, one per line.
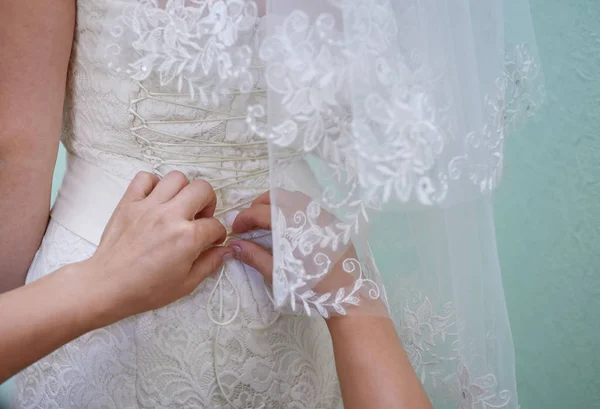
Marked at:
<point>397,112</point>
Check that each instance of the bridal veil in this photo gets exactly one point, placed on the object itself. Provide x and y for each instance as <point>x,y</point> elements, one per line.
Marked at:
<point>386,122</point>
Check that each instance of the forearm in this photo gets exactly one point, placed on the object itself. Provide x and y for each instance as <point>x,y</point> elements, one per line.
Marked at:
<point>373,369</point>
<point>38,318</point>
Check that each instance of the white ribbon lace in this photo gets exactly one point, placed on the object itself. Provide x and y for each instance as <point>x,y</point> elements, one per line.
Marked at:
<point>164,149</point>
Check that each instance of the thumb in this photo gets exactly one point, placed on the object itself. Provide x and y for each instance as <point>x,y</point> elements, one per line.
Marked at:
<point>256,256</point>
<point>207,264</point>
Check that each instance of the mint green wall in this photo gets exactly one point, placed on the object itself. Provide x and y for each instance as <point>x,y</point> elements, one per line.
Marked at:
<point>548,218</point>
<point>59,171</point>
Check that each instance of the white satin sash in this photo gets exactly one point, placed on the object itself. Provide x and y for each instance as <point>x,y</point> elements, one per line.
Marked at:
<point>87,198</point>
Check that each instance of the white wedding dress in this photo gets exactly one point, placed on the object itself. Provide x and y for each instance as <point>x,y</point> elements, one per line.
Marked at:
<point>377,125</point>
<point>177,357</point>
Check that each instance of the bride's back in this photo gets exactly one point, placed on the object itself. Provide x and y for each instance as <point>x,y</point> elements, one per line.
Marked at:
<point>177,357</point>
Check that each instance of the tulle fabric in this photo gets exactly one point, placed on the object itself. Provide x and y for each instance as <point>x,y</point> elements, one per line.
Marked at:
<point>377,109</point>
<point>386,122</point>
<point>398,112</point>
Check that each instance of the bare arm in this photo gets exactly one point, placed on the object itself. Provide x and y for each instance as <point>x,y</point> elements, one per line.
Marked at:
<point>35,44</point>
<point>372,367</point>
<point>38,318</point>
<point>133,270</point>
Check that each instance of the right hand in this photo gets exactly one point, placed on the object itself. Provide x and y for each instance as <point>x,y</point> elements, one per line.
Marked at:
<point>158,246</point>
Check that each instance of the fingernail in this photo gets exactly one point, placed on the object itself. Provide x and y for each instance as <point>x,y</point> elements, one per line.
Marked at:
<point>228,257</point>
<point>237,250</point>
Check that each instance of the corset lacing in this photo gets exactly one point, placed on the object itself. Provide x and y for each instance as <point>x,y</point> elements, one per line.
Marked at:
<point>162,149</point>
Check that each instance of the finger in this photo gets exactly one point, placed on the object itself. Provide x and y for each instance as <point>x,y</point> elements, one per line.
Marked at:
<point>198,199</point>
<point>208,232</point>
<point>206,265</point>
<point>265,198</point>
<point>169,186</point>
<point>140,187</point>
<point>254,217</point>
<point>255,255</point>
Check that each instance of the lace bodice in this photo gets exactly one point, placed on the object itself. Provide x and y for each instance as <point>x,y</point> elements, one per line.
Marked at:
<point>124,126</point>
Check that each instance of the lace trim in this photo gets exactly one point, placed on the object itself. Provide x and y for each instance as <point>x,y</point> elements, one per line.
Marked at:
<point>426,334</point>
<point>393,145</point>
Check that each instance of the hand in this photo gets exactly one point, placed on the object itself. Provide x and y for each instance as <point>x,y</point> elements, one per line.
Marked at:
<point>258,216</point>
<point>157,247</point>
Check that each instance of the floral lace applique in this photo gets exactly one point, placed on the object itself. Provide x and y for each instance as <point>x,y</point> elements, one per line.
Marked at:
<point>198,46</point>
<point>430,340</point>
<point>422,332</point>
<point>480,392</point>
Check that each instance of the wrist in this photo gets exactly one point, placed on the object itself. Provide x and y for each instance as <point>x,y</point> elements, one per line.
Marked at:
<point>341,325</point>
<point>96,310</point>
<point>358,324</point>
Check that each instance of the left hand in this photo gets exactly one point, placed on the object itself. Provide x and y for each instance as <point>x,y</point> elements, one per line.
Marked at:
<point>258,217</point>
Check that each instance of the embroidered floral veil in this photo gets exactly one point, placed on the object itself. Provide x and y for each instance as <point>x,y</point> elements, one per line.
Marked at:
<point>386,121</point>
